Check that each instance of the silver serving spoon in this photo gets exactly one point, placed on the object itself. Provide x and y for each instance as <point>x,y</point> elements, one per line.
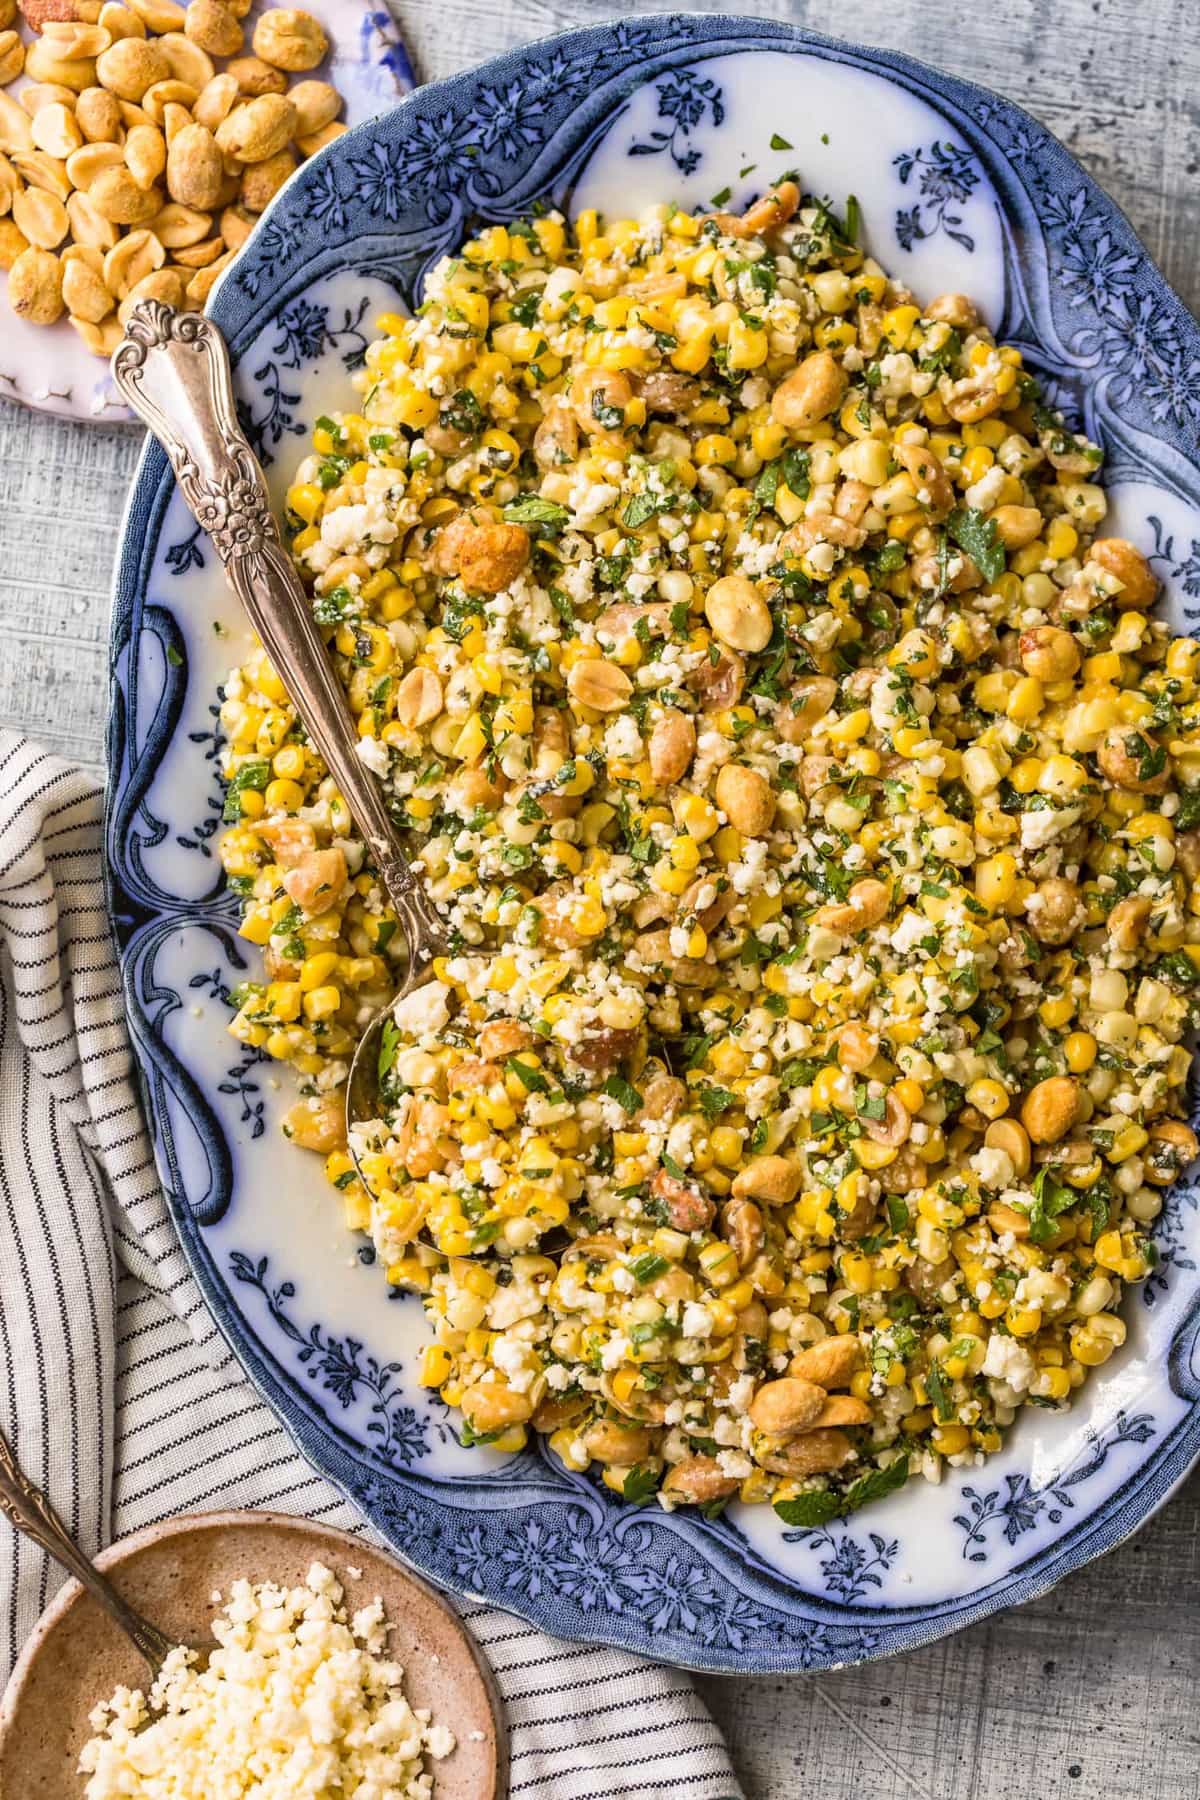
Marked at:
<point>173,370</point>
<point>27,1509</point>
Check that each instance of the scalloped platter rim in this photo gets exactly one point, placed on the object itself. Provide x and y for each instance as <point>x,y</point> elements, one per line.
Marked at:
<point>958,189</point>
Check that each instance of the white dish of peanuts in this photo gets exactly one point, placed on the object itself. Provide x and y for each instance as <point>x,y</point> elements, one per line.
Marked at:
<point>140,141</point>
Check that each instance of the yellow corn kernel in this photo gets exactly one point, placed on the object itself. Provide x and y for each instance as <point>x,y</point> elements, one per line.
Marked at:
<point>898,323</point>
<point>996,881</point>
<point>435,1366</point>
<point>1080,1051</point>
<point>746,346</point>
<point>1062,539</point>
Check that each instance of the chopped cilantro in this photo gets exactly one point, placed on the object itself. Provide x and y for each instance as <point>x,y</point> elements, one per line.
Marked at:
<point>641,1482</point>
<point>251,777</point>
<point>977,535</point>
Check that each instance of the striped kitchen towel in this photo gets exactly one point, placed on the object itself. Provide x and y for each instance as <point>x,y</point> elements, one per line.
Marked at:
<point>118,1394</point>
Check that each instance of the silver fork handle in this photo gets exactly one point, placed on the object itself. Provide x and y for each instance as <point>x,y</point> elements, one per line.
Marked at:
<point>27,1509</point>
<point>173,370</point>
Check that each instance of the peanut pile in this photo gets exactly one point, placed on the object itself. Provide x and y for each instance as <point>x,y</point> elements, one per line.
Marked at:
<point>132,167</point>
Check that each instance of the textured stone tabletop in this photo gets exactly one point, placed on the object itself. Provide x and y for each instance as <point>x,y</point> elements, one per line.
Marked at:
<point>1089,1693</point>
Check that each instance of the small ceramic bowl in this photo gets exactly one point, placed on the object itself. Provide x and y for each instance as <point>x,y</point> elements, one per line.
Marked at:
<point>169,1572</point>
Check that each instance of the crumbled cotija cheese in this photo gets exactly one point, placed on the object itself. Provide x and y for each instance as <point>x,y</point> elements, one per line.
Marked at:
<point>298,1702</point>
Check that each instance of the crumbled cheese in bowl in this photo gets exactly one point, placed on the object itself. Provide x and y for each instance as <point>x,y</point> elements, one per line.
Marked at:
<point>299,1701</point>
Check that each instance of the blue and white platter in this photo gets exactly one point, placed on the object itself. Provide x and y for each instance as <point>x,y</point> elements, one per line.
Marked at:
<point>958,190</point>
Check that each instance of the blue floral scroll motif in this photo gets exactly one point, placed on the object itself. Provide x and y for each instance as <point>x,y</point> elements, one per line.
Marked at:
<point>200,837</point>
<point>850,1567</point>
<point>186,554</point>
<point>1019,1507</point>
<point>276,421</point>
<point>305,333</point>
<point>237,1082</point>
<point>946,176</point>
<point>340,1367</point>
<point>1184,569</point>
<point>684,98</point>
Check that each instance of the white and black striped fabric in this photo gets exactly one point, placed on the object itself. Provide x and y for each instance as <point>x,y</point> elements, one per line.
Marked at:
<point>116,1390</point>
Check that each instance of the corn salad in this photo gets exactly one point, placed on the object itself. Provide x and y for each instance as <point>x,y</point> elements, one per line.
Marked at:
<point>811,797</point>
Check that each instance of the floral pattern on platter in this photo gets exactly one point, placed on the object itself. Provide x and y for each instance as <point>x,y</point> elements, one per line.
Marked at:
<point>341,1367</point>
<point>851,1567</point>
<point>1020,1505</point>
<point>685,98</point>
<point>946,176</point>
<point>1114,346</point>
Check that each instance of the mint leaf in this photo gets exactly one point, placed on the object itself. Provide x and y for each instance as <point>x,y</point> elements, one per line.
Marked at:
<point>815,1508</point>
<point>617,1088</point>
<point>546,517</point>
<point>532,1080</point>
<point>877,1483</point>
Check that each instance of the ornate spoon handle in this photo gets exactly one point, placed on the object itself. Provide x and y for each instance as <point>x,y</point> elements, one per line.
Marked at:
<point>173,370</point>
<point>29,1511</point>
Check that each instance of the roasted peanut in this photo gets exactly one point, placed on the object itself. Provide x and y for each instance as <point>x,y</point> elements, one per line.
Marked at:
<point>672,746</point>
<point>738,613</point>
<point>214,27</point>
<point>35,281</point>
<point>828,1364</point>
<point>130,66</point>
<point>810,393</point>
<point>1049,653</point>
<point>746,798</point>
<point>290,39</point>
<point>254,76</point>
<point>1124,561</point>
<point>1050,1109</point>
<point>601,685</point>
<point>770,1178</point>
<point>491,1405</point>
<point>263,180</point>
<point>698,1481</point>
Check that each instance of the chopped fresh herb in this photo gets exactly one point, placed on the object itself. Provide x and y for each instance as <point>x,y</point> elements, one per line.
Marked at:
<point>470,1436</point>
<point>389,1043</point>
<point>1050,1198</point>
<point>648,1266</point>
<point>937,1392</point>
<point>722,199</point>
<point>173,657</point>
<point>713,1101</point>
<point>977,535</point>
<point>546,517</point>
<point>780,143</point>
<point>252,777</point>
<point>641,1482</point>
<point>330,608</point>
<point>639,509</point>
<point>531,1079</point>
<point>617,1088</point>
